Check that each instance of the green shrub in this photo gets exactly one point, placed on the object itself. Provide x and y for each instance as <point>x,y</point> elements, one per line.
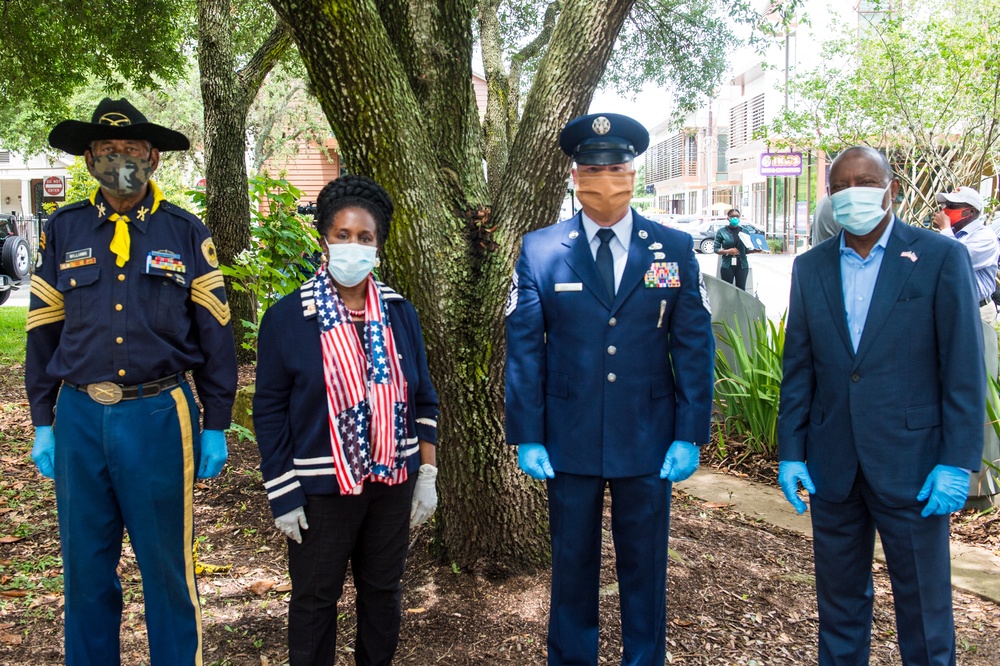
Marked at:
<point>277,261</point>
<point>746,394</point>
<point>775,245</point>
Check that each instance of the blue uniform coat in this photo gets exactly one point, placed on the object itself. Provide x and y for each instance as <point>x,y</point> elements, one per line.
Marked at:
<point>607,386</point>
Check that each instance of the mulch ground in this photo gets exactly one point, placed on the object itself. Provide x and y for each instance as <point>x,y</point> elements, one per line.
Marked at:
<point>740,591</point>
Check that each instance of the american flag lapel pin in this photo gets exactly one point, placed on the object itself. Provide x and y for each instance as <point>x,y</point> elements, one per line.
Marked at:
<point>909,255</point>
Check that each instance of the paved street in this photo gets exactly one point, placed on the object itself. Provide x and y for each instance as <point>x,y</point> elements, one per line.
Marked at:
<point>772,275</point>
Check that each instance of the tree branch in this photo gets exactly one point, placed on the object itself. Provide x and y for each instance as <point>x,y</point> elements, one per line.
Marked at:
<point>251,76</point>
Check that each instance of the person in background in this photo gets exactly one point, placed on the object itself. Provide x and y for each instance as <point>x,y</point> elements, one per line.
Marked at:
<point>881,414</point>
<point>346,422</point>
<point>127,298</point>
<point>609,384</point>
<point>728,244</point>
<point>960,218</point>
<point>823,226</point>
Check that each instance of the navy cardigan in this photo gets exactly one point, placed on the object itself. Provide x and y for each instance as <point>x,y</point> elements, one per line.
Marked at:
<point>290,410</point>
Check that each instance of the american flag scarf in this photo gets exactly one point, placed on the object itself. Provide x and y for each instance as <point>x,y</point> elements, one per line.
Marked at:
<point>365,395</point>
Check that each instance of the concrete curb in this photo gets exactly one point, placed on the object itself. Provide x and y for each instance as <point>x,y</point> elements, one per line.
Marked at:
<point>973,569</point>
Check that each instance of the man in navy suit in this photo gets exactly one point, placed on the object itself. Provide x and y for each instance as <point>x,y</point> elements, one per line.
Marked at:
<point>609,383</point>
<point>881,416</point>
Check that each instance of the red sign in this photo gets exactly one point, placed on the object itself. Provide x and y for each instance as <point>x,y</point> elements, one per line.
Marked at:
<point>201,183</point>
<point>55,186</point>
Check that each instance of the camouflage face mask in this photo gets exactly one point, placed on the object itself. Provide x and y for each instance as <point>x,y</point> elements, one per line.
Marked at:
<point>122,174</point>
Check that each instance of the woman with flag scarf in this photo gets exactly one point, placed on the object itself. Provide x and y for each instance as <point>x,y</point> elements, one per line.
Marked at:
<point>346,419</point>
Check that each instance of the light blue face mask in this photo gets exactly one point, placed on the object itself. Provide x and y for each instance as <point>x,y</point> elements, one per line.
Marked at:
<point>734,221</point>
<point>350,263</point>
<point>859,209</point>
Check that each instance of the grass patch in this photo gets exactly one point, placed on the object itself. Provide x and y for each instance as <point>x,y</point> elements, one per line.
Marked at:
<point>12,335</point>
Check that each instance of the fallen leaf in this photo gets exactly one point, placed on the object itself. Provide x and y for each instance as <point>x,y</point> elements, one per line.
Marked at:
<point>284,587</point>
<point>13,593</point>
<point>10,539</point>
<point>717,505</point>
<point>681,623</point>
<point>416,610</point>
<point>10,639</point>
<point>261,587</point>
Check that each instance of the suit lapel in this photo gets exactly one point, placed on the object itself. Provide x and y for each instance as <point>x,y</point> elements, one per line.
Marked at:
<point>582,261</point>
<point>639,258</point>
<point>833,290</point>
<point>892,275</point>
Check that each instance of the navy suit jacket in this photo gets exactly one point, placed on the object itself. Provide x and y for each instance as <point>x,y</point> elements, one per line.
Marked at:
<point>914,394</point>
<point>607,385</point>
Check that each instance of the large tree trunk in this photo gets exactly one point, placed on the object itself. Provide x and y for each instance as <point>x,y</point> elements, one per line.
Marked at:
<point>227,94</point>
<point>394,80</point>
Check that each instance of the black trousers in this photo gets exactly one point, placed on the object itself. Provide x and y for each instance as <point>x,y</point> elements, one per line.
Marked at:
<point>729,274</point>
<point>370,531</point>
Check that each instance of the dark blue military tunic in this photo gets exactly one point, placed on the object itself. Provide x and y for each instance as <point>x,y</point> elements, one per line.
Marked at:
<point>163,313</point>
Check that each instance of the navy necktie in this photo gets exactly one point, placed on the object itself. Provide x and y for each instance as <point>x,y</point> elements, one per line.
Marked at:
<point>605,262</point>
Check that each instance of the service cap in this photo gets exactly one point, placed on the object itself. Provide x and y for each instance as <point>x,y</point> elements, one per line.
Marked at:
<point>603,138</point>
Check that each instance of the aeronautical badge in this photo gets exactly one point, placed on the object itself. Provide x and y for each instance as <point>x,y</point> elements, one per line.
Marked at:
<point>601,125</point>
<point>208,249</point>
<point>704,294</point>
<point>511,297</point>
<point>658,255</point>
<point>656,246</point>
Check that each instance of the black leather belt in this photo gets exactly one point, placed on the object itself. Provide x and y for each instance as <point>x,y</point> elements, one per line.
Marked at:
<point>109,393</point>
<point>984,301</point>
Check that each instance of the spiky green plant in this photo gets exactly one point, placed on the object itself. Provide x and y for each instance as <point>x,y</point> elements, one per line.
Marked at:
<point>747,392</point>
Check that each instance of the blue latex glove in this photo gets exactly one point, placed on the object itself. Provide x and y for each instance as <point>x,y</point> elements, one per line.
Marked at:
<point>213,453</point>
<point>534,460</point>
<point>680,462</point>
<point>790,474</point>
<point>947,487</point>
<point>44,450</point>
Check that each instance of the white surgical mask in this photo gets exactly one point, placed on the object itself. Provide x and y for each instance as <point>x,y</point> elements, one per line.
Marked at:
<point>350,263</point>
<point>859,209</point>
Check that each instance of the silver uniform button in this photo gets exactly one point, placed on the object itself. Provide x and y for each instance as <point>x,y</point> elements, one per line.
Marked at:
<point>612,322</point>
<point>612,350</point>
<point>612,377</point>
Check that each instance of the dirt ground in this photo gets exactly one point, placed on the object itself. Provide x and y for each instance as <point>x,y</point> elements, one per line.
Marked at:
<point>740,591</point>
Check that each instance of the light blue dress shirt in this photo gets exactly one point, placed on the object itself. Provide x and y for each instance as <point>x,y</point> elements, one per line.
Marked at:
<point>858,277</point>
<point>984,251</point>
<point>619,244</point>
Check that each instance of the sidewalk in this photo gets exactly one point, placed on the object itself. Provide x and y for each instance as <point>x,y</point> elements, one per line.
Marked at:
<point>973,569</point>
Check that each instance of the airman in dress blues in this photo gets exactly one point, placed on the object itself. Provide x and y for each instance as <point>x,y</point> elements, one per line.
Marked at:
<point>609,384</point>
<point>127,299</point>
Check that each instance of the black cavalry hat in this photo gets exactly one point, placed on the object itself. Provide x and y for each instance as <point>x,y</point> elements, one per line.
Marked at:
<point>603,138</point>
<point>114,119</point>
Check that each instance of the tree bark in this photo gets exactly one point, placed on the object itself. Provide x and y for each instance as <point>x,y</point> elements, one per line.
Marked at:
<point>227,93</point>
<point>394,80</point>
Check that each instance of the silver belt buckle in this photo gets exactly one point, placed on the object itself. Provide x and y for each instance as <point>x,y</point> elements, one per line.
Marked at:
<point>105,393</point>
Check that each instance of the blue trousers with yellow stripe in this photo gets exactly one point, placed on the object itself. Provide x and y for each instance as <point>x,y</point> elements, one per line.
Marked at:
<point>130,465</point>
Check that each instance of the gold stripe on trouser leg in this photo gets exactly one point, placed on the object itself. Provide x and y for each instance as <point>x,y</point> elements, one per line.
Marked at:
<point>187,442</point>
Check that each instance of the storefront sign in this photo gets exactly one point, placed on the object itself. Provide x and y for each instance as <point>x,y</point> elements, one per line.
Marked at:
<point>780,164</point>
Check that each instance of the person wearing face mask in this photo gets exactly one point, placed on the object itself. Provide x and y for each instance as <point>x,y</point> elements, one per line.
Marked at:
<point>609,385</point>
<point>730,247</point>
<point>960,219</point>
<point>128,297</point>
<point>346,422</point>
<point>881,414</point>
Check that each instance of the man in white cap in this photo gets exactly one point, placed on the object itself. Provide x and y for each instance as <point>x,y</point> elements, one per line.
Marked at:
<point>960,219</point>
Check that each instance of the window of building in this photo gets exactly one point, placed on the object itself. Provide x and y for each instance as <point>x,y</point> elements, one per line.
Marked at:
<point>4,157</point>
<point>756,113</point>
<point>738,125</point>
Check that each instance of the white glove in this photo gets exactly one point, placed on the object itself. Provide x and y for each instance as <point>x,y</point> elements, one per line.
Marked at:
<point>425,497</point>
<point>289,523</point>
